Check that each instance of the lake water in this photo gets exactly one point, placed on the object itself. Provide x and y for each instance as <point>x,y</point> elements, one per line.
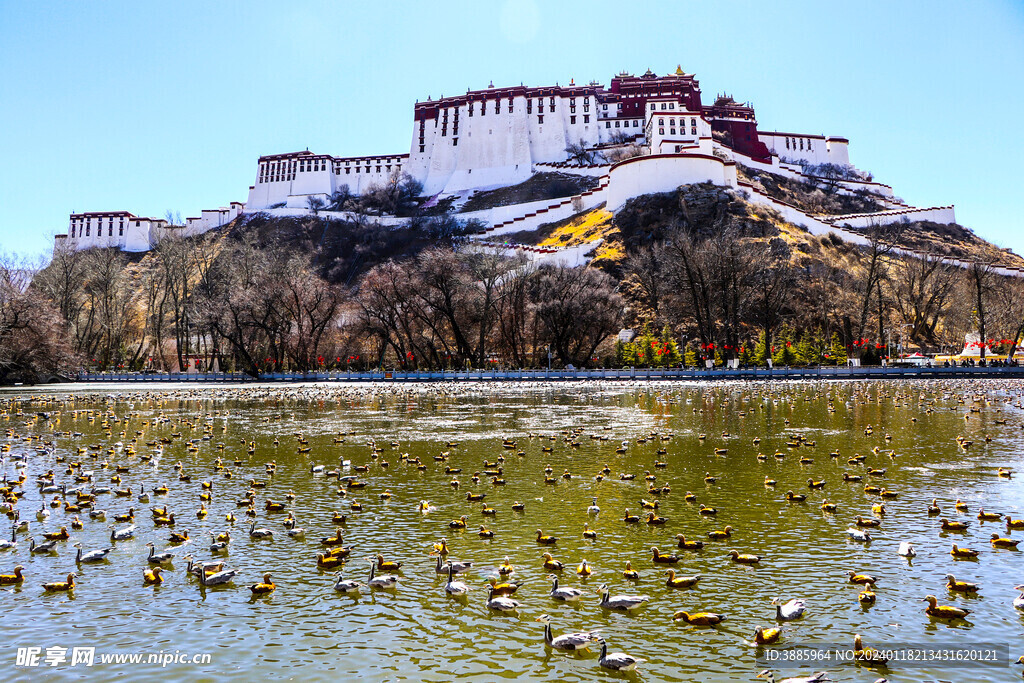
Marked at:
<point>306,631</point>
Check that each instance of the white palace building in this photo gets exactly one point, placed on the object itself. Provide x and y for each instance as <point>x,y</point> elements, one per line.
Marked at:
<point>501,136</point>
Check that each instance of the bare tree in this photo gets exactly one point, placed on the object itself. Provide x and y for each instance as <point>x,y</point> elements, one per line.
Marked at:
<point>982,279</point>
<point>580,153</point>
<point>315,204</point>
<point>921,288</point>
<point>577,309</point>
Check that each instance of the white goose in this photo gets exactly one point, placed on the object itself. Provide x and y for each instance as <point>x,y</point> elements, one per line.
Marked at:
<point>259,533</point>
<point>860,535</point>
<point>11,544</point>
<point>345,585</point>
<point>622,602</point>
<point>501,603</point>
<point>218,579</point>
<point>1018,602</point>
<point>455,588</point>
<point>568,642</point>
<point>384,581</point>
<point>122,534</point>
<point>40,548</point>
<point>617,661</point>
<point>42,514</point>
<point>92,555</point>
<point>906,549</point>
<point>158,558</point>
<point>593,509</point>
<point>794,609</point>
<point>564,593</point>
<point>457,567</point>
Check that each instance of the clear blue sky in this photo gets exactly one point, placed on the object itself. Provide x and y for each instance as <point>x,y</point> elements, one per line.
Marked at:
<point>150,106</point>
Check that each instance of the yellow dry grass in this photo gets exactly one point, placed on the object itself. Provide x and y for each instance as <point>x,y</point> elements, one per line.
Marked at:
<point>587,227</point>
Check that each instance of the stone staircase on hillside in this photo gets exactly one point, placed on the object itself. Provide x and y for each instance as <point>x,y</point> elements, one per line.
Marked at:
<point>557,210</point>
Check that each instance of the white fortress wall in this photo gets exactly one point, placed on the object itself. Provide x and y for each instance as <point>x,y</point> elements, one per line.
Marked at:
<point>809,149</point>
<point>935,214</point>
<point>664,173</point>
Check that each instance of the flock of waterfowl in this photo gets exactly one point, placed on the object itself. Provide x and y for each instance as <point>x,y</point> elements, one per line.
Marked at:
<point>119,473</point>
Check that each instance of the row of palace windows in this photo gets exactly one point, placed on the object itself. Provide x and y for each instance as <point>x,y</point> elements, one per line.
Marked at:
<point>277,171</point>
<point>625,124</point>
<point>85,225</point>
<point>312,165</point>
<point>795,141</point>
<point>672,122</point>
<point>664,106</point>
<point>672,131</point>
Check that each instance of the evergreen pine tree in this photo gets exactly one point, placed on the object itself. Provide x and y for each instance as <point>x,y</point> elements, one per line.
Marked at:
<point>836,351</point>
<point>670,349</point>
<point>761,353</point>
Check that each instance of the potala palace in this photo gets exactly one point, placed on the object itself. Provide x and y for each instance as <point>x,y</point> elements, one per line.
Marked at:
<point>500,136</point>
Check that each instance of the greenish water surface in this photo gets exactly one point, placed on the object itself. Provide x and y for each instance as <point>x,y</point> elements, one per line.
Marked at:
<point>305,630</point>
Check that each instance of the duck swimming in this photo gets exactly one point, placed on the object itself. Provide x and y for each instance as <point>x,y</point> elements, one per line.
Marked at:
<point>767,636</point>
<point>699,618</point>
<point>960,586</point>
<point>68,585</point>
<point>674,581</point>
<point>264,587</point>
<point>943,611</point>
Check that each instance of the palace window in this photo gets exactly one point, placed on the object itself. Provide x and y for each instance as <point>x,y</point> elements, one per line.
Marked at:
<point>604,107</point>
<point>497,106</point>
<point>693,130</point>
<point>664,106</point>
<point>607,124</point>
<point>572,109</point>
<point>572,119</point>
<point>87,228</point>
<point>120,229</point>
<point>511,102</point>
<point>661,131</point>
<point>672,131</point>
<point>529,106</point>
<point>540,118</point>
<point>636,123</point>
<point>586,118</point>
<point>470,108</point>
<point>661,122</point>
<point>455,142</point>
